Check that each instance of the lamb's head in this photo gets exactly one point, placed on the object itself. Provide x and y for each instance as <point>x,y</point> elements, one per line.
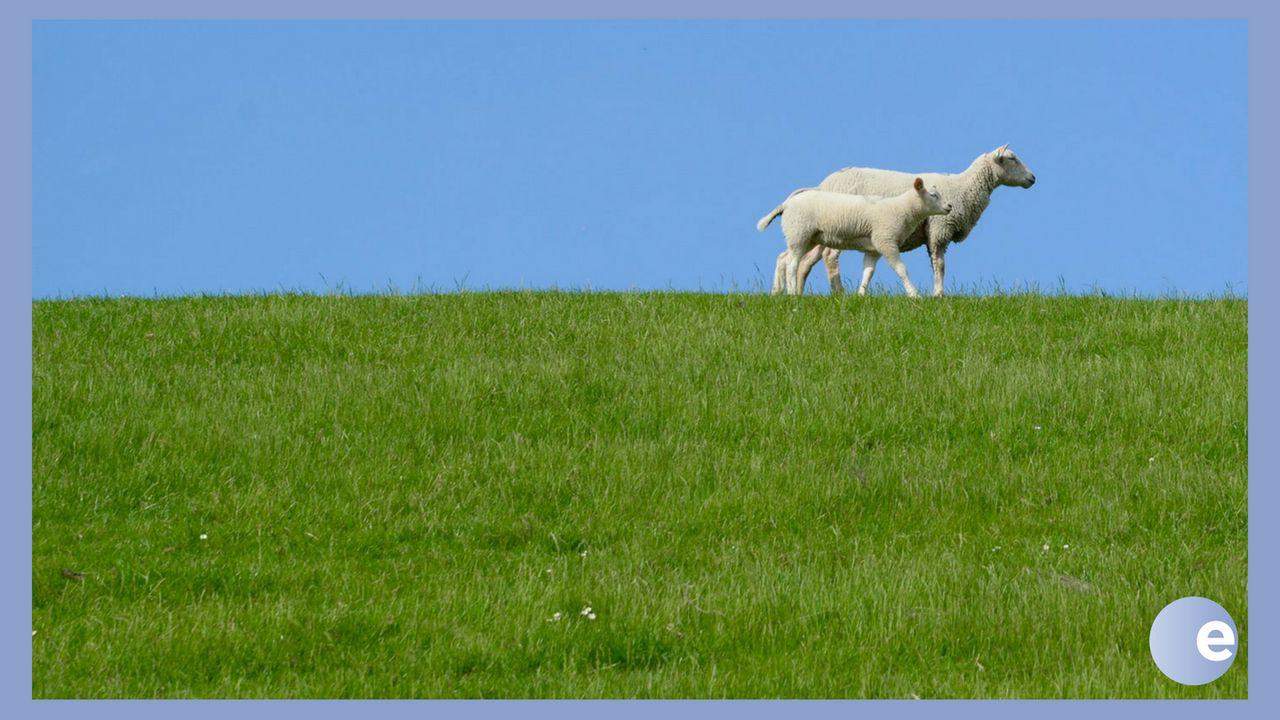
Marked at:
<point>1009,168</point>
<point>933,203</point>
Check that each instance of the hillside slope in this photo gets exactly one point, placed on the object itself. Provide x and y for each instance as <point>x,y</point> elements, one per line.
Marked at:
<point>419,496</point>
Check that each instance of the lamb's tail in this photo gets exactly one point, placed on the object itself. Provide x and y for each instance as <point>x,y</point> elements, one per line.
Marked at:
<point>764,221</point>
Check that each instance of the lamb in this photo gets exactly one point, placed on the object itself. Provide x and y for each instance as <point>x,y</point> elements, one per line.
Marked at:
<point>876,226</point>
<point>968,192</point>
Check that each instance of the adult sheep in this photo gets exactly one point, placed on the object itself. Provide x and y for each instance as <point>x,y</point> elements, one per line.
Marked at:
<point>968,192</point>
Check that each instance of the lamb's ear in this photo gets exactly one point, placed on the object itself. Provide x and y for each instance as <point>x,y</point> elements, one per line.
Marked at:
<point>1000,151</point>
<point>919,184</point>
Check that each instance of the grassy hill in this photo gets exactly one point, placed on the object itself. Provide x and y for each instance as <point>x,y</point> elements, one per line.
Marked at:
<point>419,496</point>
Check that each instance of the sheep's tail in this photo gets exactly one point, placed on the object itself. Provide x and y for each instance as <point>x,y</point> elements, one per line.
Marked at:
<point>764,221</point>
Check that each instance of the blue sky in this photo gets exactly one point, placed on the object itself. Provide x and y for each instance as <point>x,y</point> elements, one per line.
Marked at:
<point>245,156</point>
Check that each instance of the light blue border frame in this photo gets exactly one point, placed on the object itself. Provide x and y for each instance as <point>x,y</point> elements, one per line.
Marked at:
<point>15,356</point>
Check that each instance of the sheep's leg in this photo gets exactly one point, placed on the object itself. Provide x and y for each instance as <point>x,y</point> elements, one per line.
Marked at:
<point>831,257</point>
<point>869,261</point>
<point>938,257</point>
<point>780,273</point>
<point>793,264</point>
<point>895,261</point>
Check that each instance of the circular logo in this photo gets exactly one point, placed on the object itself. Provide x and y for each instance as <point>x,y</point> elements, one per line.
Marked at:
<point>1193,640</point>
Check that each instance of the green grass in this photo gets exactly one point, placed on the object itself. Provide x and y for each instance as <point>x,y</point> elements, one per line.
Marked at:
<point>759,497</point>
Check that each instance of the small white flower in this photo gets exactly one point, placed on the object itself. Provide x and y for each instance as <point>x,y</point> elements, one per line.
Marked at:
<point>204,536</point>
<point>583,553</point>
<point>554,618</point>
<point>548,571</point>
<point>585,611</point>
<point>591,616</point>
<point>1046,546</point>
<point>1064,547</point>
<point>1036,427</point>
<point>995,548</point>
<point>1151,459</point>
<point>33,633</point>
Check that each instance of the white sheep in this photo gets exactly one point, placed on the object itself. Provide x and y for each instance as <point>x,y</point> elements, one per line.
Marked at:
<point>968,192</point>
<point>877,226</point>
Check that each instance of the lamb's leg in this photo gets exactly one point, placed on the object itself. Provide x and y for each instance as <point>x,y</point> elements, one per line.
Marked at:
<point>869,261</point>
<point>831,257</point>
<point>892,257</point>
<point>780,273</point>
<point>796,253</point>
<point>811,258</point>
<point>938,257</point>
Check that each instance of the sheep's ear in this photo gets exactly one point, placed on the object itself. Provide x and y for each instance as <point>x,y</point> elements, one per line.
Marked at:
<point>1001,151</point>
<point>919,184</point>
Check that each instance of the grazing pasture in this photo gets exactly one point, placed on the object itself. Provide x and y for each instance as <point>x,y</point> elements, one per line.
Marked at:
<point>421,495</point>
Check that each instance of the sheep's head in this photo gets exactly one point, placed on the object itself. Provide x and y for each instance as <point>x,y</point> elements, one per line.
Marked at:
<point>1009,168</point>
<point>933,203</point>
